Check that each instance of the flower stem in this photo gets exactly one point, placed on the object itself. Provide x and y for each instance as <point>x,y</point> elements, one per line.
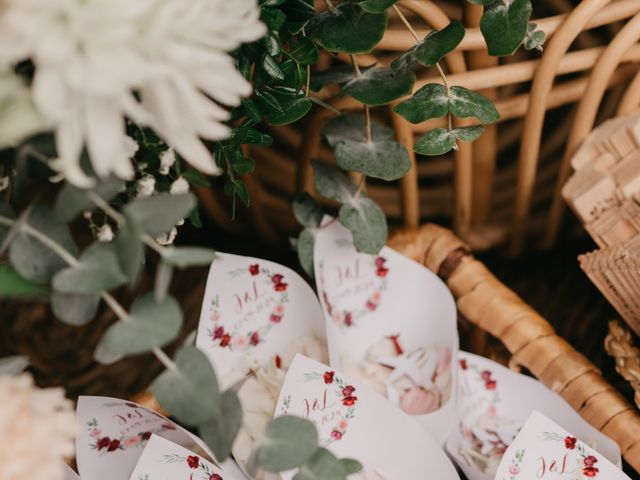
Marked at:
<point>406,23</point>
<point>72,261</point>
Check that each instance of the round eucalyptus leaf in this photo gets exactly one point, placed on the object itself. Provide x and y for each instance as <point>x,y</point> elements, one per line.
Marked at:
<point>74,309</point>
<point>73,200</point>
<point>289,442</point>
<point>307,211</point>
<point>435,142</point>
<point>504,25</point>
<point>97,272</point>
<point>347,28</point>
<point>438,43</point>
<point>350,466</point>
<point>189,392</point>
<point>335,75</point>
<point>333,183</point>
<point>323,465</point>
<point>184,257</point>
<point>379,86</point>
<point>534,39</point>
<point>305,246</point>
<point>467,103</point>
<point>468,134</point>
<point>158,214</point>
<point>15,287</point>
<point>220,432</point>
<point>31,258</point>
<point>129,248</point>
<point>352,127</point>
<point>430,101</point>
<point>367,222</point>
<point>150,324</point>
<point>387,160</point>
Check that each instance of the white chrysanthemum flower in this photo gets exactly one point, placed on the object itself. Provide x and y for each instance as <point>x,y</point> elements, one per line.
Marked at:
<point>179,186</point>
<point>92,55</point>
<point>37,430</point>
<point>146,186</point>
<point>167,160</point>
<point>18,115</point>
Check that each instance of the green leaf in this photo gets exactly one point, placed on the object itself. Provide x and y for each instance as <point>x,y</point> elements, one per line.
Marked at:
<point>271,68</point>
<point>252,110</point>
<point>433,48</point>
<point>304,51</point>
<point>387,160</point>
<point>292,111</point>
<point>97,272</point>
<point>7,212</point>
<point>184,257</point>
<point>73,200</point>
<point>350,466</point>
<point>504,25</point>
<point>164,274</point>
<point>352,127</point>
<point>150,324</point>
<point>367,222</point>
<point>13,365</point>
<point>243,165</point>
<point>289,442</point>
<point>379,86</point>
<point>534,39</point>
<point>305,245</point>
<point>323,465</point>
<point>32,259</point>
<point>307,211</point>
<point>189,392</point>
<point>430,101</point>
<point>440,140</point>
<point>129,248</point>
<point>255,137</point>
<point>333,183</point>
<point>299,10</point>
<point>13,286</point>
<point>74,309</point>
<point>466,103</point>
<point>347,29</point>
<point>160,213</point>
<point>220,432</point>
<point>376,6</point>
<point>195,178</point>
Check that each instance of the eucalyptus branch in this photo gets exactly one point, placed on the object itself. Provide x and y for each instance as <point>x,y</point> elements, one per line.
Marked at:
<point>120,220</point>
<point>330,5</point>
<point>367,112</point>
<point>438,66</point>
<point>72,261</point>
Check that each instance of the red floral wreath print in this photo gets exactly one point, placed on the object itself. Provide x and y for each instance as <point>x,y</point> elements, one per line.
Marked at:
<point>235,340</point>
<point>348,318</point>
<point>589,468</point>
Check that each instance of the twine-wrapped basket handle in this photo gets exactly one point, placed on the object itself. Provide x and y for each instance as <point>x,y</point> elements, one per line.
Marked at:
<point>489,304</point>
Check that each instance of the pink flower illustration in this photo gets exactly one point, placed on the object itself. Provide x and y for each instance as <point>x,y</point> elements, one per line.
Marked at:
<point>348,390</point>
<point>254,269</point>
<point>95,432</point>
<point>278,310</point>
<point>492,411</point>
<point>514,470</point>
<point>255,339</point>
<point>215,476</point>
<point>371,306</point>
<point>348,319</point>
<point>215,316</point>
<point>375,297</point>
<point>131,441</point>
<point>240,342</point>
<point>275,318</point>
<point>342,426</point>
<point>225,340</point>
<point>590,461</point>
<point>217,333</point>
<point>463,364</point>
<point>328,377</point>
<point>336,435</point>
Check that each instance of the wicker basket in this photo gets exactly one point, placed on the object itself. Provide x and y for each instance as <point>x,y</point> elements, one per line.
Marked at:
<point>507,184</point>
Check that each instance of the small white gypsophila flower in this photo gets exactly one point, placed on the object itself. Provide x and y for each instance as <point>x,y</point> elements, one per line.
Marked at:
<point>131,146</point>
<point>146,186</point>
<point>37,430</point>
<point>4,183</point>
<point>167,238</point>
<point>180,222</point>
<point>167,160</point>
<point>104,233</point>
<point>179,186</point>
<point>90,56</point>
